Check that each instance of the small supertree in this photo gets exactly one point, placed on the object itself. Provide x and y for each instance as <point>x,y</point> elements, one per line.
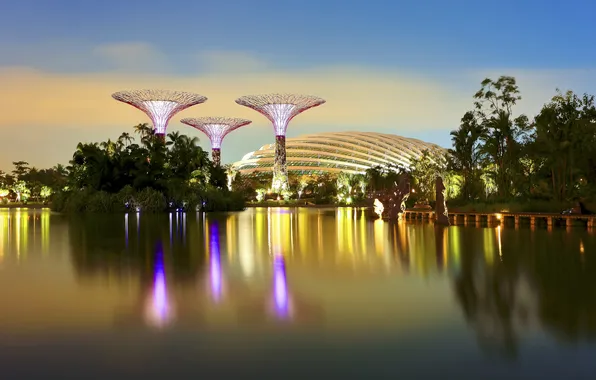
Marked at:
<point>159,105</point>
<point>216,128</point>
<point>280,109</point>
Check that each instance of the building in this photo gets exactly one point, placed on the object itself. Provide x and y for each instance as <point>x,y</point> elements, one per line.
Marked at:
<point>335,152</point>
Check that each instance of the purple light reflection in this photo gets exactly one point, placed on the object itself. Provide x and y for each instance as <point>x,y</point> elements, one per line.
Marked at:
<point>215,264</point>
<point>159,313</point>
<point>280,287</point>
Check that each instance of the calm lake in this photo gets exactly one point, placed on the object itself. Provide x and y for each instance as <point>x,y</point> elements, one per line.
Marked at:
<point>292,292</point>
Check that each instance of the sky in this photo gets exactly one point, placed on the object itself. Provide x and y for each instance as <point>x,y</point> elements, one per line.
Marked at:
<point>403,67</point>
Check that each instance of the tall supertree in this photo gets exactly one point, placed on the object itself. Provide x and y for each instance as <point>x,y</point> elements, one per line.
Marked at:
<point>216,128</point>
<point>159,105</point>
<point>280,109</point>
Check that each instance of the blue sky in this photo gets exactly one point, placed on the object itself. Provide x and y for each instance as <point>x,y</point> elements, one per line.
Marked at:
<point>60,50</point>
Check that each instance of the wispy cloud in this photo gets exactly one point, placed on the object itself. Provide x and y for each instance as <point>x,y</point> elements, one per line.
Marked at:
<point>132,56</point>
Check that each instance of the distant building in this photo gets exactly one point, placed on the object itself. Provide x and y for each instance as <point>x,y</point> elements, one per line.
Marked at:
<point>335,152</point>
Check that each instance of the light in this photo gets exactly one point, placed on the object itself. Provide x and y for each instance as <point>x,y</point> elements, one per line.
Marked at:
<point>138,209</point>
<point>280,115</point>
<point>499,216</point>
<point>160,112</point>
<point>581,247</point>
<point>349,200</point>
<point>379,208</point>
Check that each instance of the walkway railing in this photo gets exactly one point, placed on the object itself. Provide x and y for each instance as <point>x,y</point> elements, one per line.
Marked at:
<point>532,218</point>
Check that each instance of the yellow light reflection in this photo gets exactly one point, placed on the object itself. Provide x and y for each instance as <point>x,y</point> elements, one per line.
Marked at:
<point>45,231</point>
<point>231,234</point>
<point>261,224</point>
<point>378,231</point>
<point>499,242</point>
<point>455,245</point>
<point>3,227</point>
<point>489,246</point>
<point>581,247</point>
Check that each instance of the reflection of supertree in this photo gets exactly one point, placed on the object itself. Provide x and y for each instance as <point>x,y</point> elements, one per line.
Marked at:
<point>215,276</point>
<point>159,105</point>
<point>280,109</point>
<point>280,287</point>
<point>216,128</point>
<point>159,312</point>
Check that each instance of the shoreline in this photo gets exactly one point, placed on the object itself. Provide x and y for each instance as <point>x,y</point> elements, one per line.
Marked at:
<point>35,206</point>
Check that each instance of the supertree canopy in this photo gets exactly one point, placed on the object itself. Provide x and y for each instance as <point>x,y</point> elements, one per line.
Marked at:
<point>159,105</point>
<point>280,109</point>
<point>216,128</point>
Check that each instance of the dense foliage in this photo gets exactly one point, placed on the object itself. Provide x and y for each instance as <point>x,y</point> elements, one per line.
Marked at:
<point>152,176</point>
<point>500,157</point>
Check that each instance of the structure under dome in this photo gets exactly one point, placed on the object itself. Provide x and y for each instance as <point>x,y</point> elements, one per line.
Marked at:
<point>280,109</point>
<point>335,152</point>
<point>216,128</point>
<point>159,105</point>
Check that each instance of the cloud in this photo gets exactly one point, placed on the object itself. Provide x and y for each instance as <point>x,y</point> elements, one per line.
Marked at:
<point>230,61</point>
<point>135,56</point>
<point>41,107</point>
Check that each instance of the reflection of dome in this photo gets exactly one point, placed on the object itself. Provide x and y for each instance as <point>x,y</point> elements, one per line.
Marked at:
<point>349,152</point>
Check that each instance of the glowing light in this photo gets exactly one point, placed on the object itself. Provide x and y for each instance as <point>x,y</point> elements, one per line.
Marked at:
<point>280,288</point>
<point>159,105</point>
<point>214,263</point>
<point>499,216</point>
<point>581,247</point>
<point>216,128</point>
<point>379,208</point>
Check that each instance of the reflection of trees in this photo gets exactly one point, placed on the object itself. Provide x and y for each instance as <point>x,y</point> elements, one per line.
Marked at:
<point>565,280</point>
<point>100,246</point>
<point>541,278</point>
<point>487,296</point>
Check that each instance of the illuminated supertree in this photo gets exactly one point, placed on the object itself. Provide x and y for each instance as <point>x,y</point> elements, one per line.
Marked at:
<point>159,105</point>
<point>216,128</point>
<point>280,109</point>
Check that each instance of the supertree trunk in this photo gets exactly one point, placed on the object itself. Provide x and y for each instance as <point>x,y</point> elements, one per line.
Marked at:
<point>161,137</point>
<point>216,156</point>
<point>280,170</point>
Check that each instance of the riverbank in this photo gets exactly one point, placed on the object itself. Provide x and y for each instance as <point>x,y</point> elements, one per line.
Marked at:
<point>24,206</point>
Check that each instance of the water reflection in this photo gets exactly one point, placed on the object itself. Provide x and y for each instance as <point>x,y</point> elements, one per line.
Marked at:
<point>159,310</point>
<point>304,266</point>
<point>215,263</point>
<point>280,287</point>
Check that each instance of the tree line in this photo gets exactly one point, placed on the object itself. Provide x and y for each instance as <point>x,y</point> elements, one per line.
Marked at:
<point>126,174</point>
<point>498,155</point>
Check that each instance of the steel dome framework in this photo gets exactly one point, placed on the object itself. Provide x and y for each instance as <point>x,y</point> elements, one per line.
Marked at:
<point>335,152</point>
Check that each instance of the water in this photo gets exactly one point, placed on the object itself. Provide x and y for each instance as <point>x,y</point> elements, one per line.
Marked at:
<point>292,292</point>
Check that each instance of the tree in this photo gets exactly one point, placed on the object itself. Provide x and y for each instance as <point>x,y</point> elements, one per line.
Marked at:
<point>425,171</point>
<point>466,155</point>
<point>501,132</point>
<point>565,136</point>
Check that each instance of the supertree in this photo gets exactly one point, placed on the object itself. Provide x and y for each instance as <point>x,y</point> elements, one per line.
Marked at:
<point>159,105</point>
<point>280,109</point>
<point>216,128</point>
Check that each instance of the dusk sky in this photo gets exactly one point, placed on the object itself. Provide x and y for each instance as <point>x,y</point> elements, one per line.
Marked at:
<point>404,67</point>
